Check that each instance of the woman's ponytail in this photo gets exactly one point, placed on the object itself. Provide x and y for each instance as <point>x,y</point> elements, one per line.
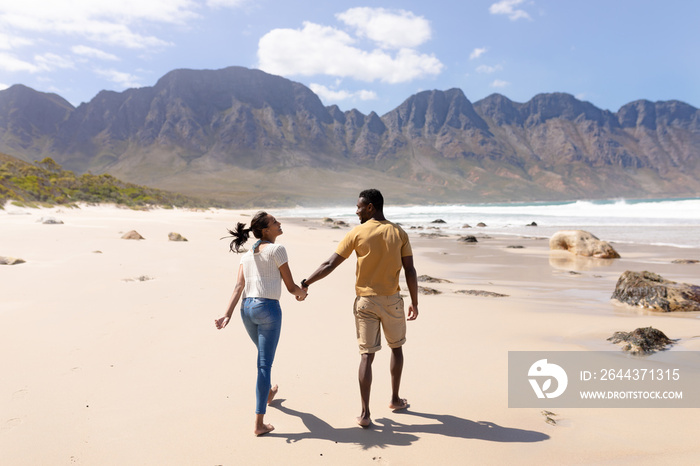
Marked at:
<point>241,234</point>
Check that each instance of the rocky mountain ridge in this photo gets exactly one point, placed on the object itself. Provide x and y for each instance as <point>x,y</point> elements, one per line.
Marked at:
<point>249,136</point>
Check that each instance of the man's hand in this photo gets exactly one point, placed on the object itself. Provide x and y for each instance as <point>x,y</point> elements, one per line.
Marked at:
<point>412,312</point>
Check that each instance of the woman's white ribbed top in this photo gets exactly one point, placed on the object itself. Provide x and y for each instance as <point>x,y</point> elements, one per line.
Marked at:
<point>262,272</point>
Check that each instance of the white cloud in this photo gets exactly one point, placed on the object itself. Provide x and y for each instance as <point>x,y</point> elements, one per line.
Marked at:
<point>476,53</point>
<point>500,83</point>
<point>3,86</point>
<point>90,52</point>
<point>125,80</point>
<point>329,95</point>
<point>507,7</point>
<point>392,29</point>
<point>317,49</point>
<point>486,69</point>
<point>225,3</point>
<point>98,20</point>
<point>51,61</point>
<point>9,62</point>
<point>9,42</point>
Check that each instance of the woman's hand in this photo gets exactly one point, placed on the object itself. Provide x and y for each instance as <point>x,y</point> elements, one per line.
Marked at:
<point>222,322</point>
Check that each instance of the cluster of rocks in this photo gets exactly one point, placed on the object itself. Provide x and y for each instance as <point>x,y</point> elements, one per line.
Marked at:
<point>135,235</point>
<point>336,224</point>
<point>432,291</point>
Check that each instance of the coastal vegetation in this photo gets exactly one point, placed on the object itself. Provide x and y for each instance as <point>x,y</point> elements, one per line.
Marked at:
<point>47,183</point>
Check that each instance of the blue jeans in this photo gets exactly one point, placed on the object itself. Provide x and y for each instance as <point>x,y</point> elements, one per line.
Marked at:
<point>262,319</point>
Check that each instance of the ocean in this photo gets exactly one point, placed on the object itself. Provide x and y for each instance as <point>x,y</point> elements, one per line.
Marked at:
<point>668,222</point>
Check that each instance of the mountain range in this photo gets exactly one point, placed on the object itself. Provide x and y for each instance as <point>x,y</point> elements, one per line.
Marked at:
<point>247,137</point>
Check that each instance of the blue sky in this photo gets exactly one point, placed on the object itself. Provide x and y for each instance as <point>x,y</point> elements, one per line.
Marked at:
<point>369,55</point>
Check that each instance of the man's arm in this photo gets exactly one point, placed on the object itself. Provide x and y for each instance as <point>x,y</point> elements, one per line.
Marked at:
<point>325,269</point>
<point>412,282</point>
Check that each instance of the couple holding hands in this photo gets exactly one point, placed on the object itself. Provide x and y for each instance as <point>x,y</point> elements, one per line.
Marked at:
<point>382,250</point>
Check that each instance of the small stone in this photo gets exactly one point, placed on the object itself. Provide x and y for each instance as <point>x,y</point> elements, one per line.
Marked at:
<point>172,236</point>
<point>487,294</point>
<point>11,261</point>
<point>429,279</point>
<point>133,234</point>
<point>428,291</point>
<point>50,221</point>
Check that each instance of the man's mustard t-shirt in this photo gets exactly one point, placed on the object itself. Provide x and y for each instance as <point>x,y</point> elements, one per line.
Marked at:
<point>379,246</point>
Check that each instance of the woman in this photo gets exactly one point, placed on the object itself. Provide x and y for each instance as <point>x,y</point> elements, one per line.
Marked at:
<point>260,276</point>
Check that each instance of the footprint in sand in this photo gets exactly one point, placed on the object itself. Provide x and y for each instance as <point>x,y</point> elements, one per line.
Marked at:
<point>20,394</point>
<point>11,423</point>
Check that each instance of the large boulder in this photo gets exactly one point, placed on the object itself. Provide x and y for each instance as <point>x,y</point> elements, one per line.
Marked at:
<point>651,291</point>
<point>582,243</point>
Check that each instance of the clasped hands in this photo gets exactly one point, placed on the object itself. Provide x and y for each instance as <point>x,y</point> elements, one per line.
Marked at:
<point>305,289</point>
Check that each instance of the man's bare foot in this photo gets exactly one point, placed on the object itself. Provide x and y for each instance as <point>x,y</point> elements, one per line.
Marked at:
<point>363,422</point>
<point>271,395</point>
<point>264,429</point>
<point>402,403</point>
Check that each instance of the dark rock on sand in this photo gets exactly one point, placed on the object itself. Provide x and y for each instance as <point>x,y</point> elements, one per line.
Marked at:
<point>439,220</point>
<point>467,239</point>
<point>172,236</point>
<point>426,290</point>
<point>515,246</point>
<point>133,234</point>
<point>11,261</point>
<point>533,224</point>
<point>50,221</point>
<point>642,340</point>
<point>142,278</point>
<point>466,225</point>
<point>429,279</point>
<point>651,291</point>
<point>582,243</point>
<point>685,261</point>
<point>488,294</point>
<point>481,224</point>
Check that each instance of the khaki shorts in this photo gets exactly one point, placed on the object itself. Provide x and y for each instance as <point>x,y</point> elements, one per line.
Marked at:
<point>371,312</point>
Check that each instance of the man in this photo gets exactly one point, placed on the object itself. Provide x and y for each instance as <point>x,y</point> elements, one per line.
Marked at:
<point>382,249</point>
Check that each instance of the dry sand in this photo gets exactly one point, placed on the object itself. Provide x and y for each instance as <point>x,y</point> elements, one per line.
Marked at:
<point>110,355</point>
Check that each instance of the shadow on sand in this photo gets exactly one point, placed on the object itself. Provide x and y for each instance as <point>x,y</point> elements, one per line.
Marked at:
<point>388,432</point>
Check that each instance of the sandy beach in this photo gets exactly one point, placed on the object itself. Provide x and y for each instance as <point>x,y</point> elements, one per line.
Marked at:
<point>110,355</point>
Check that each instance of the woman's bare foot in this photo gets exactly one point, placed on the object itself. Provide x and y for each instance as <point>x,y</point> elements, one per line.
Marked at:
<point>401,403</point>
<point>264,429</point>
<point>273,392</point>
<point>363,421</point>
